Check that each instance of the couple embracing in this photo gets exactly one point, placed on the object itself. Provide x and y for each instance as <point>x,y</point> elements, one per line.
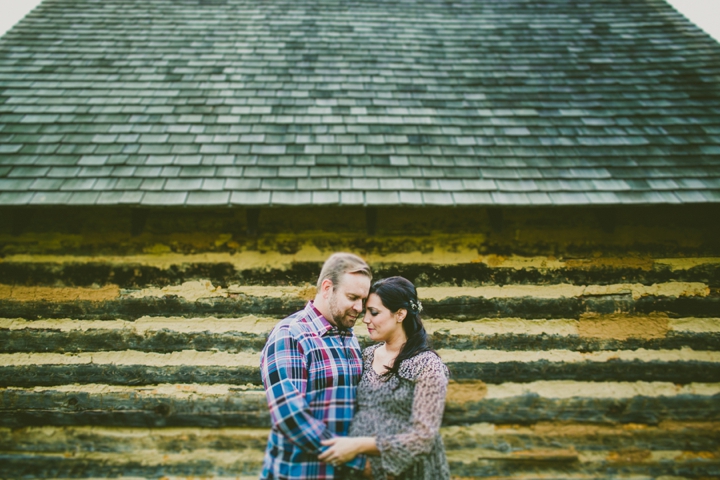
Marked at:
<point>338,413</point>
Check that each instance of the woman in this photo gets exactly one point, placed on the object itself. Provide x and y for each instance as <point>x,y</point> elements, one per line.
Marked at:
<point>401,396</point>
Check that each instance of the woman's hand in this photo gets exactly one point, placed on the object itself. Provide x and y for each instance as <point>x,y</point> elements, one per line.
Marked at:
<point>342,450</point>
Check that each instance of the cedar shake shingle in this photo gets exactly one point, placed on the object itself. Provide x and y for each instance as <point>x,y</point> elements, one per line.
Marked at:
<point>499,102</point>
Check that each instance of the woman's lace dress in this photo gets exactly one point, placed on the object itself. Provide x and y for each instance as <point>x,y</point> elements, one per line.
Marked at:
<point>404,413</point>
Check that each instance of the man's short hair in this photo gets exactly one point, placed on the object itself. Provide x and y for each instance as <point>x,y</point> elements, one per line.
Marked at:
<point>341,263</point>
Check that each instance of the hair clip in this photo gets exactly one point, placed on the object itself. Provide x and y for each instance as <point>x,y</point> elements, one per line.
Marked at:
<point>416,306</point>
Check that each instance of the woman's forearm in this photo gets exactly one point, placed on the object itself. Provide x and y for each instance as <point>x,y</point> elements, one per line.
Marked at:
<point>367,446</point>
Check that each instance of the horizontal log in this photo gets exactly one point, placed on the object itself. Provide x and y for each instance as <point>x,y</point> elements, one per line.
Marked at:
<point>491,366</point>
<point>689,436</point>
<point>532,409</point>
<point>432,233</point>
<point>101,340</point>
<point>504,439</point>
<point>49,439</point>
<point>520,342</point>
<point>242,464</point>
<point>680,307</point>
<point>472,463</point>
<point>47,375</point>
<point>166,340</point>
<point>134,308</point>
<point>129,273</point>
<point>204,289</point>
<point>238,406</point>
<point>642,464</point>
<point>460,308</point>
<point>617,371</point>
<point>469,308</point>
<point>159,406</point>
<point>249,333</point>
<point>147,334</point>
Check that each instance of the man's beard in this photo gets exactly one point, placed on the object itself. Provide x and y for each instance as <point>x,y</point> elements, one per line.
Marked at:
<point>338,316</point>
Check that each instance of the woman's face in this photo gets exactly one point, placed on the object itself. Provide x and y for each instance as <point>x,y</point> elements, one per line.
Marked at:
<point>383,325</point>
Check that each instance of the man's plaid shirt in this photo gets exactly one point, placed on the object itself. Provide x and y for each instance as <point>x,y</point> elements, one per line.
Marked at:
<point>310,371</point>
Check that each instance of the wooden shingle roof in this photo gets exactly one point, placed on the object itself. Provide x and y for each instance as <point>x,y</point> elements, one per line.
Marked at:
<point>327,102</point>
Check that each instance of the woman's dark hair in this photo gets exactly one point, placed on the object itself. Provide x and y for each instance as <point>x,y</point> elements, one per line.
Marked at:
<point>397,293</point>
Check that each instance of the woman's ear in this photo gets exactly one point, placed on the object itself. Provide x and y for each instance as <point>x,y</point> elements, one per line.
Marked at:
<point>401,314</point>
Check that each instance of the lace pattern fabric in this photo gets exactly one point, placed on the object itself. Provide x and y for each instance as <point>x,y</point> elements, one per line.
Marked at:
<point>404,413</point>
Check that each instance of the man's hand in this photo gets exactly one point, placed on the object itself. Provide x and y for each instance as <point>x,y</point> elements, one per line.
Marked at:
<point>367,471</point>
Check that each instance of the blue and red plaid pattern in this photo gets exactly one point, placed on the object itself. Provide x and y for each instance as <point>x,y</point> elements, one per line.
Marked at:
<point>310,371</point>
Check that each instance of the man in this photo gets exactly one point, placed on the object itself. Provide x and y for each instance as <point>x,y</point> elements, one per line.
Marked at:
<point>310,367</point>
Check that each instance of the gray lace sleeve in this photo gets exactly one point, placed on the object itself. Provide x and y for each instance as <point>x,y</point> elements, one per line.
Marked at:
<point>399,451</point>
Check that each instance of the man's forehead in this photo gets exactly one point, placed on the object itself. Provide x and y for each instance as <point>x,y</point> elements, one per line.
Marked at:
<point>354,283</point>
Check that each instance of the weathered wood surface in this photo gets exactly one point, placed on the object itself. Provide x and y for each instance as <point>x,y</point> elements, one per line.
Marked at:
<point>632,463</point>
<point>234,334</point>
<point>504,438</point>
<point>560,369</point>
<point>529,271</point>
<point>680,372</point>
<point>245,406</point>
<point>550,449</point>
<point>460,308</point>
<point>97,340</point>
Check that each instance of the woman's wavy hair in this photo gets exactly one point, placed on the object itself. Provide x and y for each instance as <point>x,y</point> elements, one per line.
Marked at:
<point>398,293</point>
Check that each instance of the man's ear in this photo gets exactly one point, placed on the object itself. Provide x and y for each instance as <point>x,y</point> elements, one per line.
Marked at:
<point>326,287</point>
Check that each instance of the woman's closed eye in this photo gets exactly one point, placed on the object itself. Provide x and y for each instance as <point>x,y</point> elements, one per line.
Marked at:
<point>372,312</point>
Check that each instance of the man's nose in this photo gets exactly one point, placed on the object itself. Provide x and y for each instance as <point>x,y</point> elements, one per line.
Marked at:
<point>357,306</point>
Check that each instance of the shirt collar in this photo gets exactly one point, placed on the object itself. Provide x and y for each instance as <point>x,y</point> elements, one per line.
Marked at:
<point>320,323</point>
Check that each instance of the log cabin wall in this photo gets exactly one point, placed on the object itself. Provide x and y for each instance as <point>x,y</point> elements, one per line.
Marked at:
<point>582,343</point>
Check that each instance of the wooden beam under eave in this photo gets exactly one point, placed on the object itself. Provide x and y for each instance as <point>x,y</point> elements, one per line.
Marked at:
<point>371,220</point>
<point>253,220</point>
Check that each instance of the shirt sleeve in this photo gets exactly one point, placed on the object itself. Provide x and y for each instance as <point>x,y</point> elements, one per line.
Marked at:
<point>357,463</point>
<point>284,375</point>
<point>399,451</point>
